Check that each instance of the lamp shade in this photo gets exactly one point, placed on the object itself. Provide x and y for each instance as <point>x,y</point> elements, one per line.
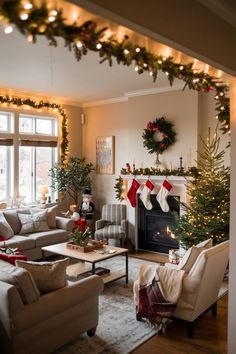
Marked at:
<point>43,190</point>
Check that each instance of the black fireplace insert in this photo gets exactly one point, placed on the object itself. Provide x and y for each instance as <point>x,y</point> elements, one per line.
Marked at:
<point>154,232</point>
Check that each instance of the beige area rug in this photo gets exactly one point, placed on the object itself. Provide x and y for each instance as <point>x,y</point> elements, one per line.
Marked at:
<point>118,331</point>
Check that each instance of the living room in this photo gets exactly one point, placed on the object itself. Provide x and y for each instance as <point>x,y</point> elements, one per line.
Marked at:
<point>191,112</point>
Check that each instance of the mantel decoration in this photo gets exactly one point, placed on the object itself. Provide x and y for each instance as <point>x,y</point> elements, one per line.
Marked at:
<point>150,140</point>
<point>16,101</point>
<point>43,20</point>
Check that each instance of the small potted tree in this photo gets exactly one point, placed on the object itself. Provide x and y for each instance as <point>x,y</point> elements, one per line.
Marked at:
<point>71,177</point>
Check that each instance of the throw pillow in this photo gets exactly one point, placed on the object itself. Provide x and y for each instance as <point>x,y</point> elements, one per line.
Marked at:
<point>205,244</point>
<point>21,279</point>
<point>13,219</point>
<point>51,215</point>
<point>189,258</point>
<point>48,276</point>
<point>6,231</point>
<point>33,222</point>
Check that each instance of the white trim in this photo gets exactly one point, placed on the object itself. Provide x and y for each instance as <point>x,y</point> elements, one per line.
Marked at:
<point>154,90</point>
<point>130,94</point>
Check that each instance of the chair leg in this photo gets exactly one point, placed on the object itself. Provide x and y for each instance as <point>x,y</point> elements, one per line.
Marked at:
<point>122,243</point>
<point>214,309</point>
<point>190,330</point>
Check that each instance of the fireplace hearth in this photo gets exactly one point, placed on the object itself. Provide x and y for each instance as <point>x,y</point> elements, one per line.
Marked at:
<point>154,225</point>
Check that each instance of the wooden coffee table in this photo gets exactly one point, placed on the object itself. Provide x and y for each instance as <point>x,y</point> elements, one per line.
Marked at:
<point>90,257</point>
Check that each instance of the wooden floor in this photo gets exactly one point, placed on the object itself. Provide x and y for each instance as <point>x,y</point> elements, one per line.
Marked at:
<point>210,333</point>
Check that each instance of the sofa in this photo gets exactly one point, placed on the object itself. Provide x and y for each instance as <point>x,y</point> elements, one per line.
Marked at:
<point>47,229</point>
<point>35,322</point>
<point>204,267</point>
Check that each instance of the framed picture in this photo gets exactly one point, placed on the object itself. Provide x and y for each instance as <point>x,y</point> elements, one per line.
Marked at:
<point>105,154</point>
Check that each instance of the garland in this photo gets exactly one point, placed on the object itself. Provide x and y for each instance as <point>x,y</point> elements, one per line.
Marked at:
<point>119,189</point>
<point>192,171</point>
<point>42,104</point>
<point>32,20</point>
<point>168,136</point>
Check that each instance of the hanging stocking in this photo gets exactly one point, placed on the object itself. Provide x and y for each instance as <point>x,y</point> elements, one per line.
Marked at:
<point>145,194</point>
<point>132,192</point>
<point>162,195</point>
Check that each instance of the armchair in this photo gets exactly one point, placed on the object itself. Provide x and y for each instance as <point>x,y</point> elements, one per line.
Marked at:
<point>113,223</point>
<point>201,285</point>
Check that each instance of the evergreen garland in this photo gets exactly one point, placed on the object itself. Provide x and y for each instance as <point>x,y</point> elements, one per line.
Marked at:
<point>168,136</point>
<point>207,214</point>
<point>39,105</point>
<point>119,189</point>
<point>40,20</point>
<point>151,171</point>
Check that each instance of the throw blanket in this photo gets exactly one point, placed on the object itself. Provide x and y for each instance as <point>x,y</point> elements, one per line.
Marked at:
<point>157,293</point>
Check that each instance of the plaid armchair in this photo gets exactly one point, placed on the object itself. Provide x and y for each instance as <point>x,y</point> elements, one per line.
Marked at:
<point>113,223</point>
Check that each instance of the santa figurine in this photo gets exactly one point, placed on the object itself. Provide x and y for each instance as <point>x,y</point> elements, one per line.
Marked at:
<point>87,206</point>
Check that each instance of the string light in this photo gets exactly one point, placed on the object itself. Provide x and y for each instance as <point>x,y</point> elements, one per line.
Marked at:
<point>79,44</point>
<point>99,46</point>
<point>8,29</point>
<point>126,51</point>
<point>24,17</point>
<point>137,50</point>
<point>27,6</point>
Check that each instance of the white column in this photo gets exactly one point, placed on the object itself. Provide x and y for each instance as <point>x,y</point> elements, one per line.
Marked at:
<point>232,255</point>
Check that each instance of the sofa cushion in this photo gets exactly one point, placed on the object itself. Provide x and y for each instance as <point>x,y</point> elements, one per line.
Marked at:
<point>111,231</point>
<point>48,276</point>
<point>33,222</point>
<point>6,231</point>
<point>21,279</point>
<point>51,215</point>
<point>20,242</point>
<point>189,258</point>
<point>48,237</point>
<point>13,219</point>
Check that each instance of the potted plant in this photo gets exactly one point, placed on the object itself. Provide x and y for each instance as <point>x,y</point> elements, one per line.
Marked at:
<point>71,177</point>
<point>79,237</point>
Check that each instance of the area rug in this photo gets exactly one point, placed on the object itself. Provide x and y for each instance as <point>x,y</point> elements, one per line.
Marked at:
<point>118,331</point>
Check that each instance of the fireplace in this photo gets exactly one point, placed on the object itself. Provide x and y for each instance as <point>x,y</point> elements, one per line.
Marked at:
<point>154,225</point>
<point>179,184</point>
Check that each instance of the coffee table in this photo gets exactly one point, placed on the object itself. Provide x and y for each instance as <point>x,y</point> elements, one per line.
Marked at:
<point>91,257</point>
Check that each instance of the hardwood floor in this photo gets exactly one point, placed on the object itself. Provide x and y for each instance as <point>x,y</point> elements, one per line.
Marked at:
<point>210,333</point>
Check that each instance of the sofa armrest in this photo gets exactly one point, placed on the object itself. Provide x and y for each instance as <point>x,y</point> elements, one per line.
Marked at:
<point>58,301</point>
<point>64,223</point>
<point>99,224</point>
<point>124,226</point>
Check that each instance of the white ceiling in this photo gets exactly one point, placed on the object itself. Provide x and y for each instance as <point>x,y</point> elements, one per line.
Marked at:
<point>42,71</point>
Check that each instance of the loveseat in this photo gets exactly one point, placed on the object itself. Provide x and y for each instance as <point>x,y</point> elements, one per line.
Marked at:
<point>32,321</point>
<point>47,229</point>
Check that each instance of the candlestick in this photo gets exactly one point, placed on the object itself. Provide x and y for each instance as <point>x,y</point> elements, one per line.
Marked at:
<point>181,163</point>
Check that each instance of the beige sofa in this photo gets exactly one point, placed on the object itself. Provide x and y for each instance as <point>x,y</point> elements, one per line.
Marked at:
<point>50,322</point>
<point>30,244</point>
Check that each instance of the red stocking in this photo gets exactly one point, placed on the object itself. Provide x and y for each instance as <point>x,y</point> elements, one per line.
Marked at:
<point>132,192</point>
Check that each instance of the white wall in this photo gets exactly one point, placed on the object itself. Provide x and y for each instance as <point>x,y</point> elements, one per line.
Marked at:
<point>126,121</point>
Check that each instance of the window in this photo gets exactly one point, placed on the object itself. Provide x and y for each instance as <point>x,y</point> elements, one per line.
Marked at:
<point>26,155</point>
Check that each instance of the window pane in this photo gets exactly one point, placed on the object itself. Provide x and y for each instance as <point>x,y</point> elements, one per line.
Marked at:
<point>26,173</point>
<point>3,122</point>
<point>44,126</point>
<point>26,124</point>
<point>44,162</point>
<point>3,173</point>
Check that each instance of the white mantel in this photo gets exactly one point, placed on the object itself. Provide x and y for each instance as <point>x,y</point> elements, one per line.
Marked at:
<point>178,189</point>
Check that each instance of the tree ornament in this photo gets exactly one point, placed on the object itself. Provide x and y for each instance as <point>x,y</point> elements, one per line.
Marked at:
<point>158,136</point>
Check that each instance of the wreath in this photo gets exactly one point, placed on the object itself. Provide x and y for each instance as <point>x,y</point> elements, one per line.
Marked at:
<point>168,136</point>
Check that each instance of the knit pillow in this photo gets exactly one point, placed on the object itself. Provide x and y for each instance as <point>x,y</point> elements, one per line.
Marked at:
<point>205,244</point>
<point>48,276</point>
<point>6,231</point>
<point>33,222</point>
<point>21,279</point>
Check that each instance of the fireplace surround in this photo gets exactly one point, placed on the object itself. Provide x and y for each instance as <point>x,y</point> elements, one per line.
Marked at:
<point>179,186</point>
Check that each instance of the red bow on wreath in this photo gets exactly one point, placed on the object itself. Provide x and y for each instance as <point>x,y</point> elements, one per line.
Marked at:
<point>151,127</point>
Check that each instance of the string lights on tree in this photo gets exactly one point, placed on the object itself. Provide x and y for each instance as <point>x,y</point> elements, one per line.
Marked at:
<point>33,21</point>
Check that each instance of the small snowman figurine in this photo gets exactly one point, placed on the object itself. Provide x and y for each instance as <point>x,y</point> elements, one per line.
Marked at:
<point>87,206</point>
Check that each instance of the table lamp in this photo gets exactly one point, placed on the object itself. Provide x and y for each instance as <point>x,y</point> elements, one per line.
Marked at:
<point>43,190</point>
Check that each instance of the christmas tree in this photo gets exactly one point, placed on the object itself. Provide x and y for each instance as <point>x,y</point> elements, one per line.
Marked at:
<point>207,213</point>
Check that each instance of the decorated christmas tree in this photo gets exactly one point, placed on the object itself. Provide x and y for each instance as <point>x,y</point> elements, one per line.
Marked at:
<point>207,213</point>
